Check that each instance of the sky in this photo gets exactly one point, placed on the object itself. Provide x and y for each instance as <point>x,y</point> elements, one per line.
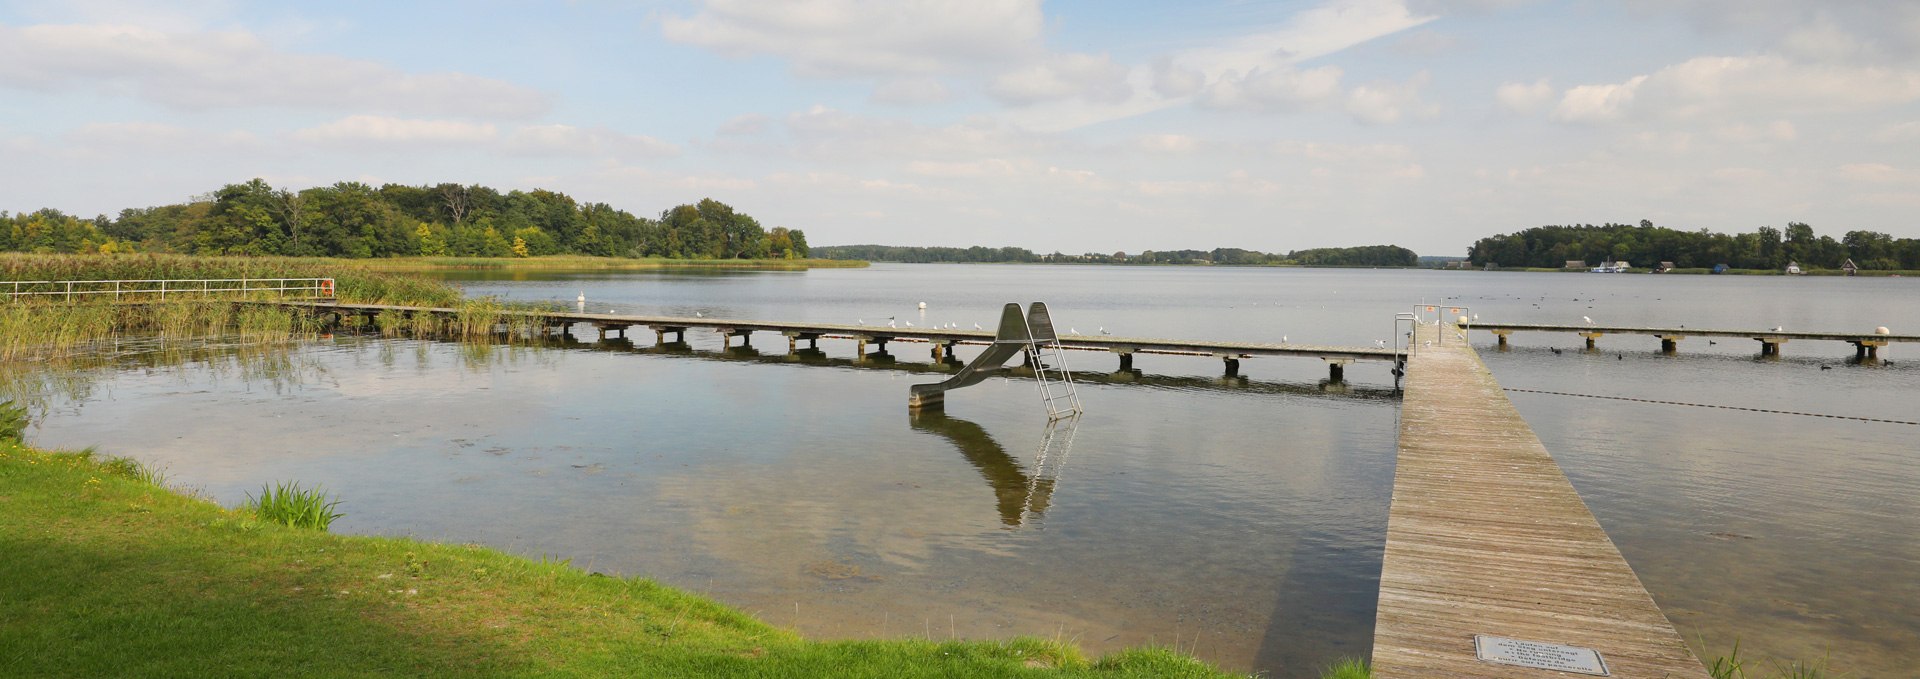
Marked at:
<point>1070,125</point>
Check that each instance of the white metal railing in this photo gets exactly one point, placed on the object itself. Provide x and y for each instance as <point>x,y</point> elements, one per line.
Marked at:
<point>142,289</point>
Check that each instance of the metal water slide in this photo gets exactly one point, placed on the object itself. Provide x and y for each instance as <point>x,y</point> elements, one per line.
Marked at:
<point>1031,332</point>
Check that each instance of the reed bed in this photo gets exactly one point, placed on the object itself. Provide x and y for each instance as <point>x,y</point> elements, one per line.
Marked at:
<point>356,281</point>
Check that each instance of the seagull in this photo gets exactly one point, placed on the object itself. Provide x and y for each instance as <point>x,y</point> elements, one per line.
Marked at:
<point>1476,317</point>
<point>1073,331</point>
<point>582,297</point>
<point>890,323</point>
<point>1103,330</point>
<point>1779,328</point>
<point>909,324</point>
<point>861,321</point>
<point>1587,319</point>
<point>976,326</point>
<point>697,314</point>
<point>1283,339</point>
<point>1380,343</point>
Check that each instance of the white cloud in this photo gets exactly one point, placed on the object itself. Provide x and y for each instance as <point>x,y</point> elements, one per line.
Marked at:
<point>1173,80</point>
<point>1065,76</point>
<point>1309,34</point>
<point>1821,41</point>
<point>1740,132</point>
<point>911,91</point>
<point>1383,103</point>
<point>159,137</point>
<point>384,131</point>
<point>822,133</point>
<point>567,140</point>
<point>1523,97</point>
<point>836,38</point>
<point>1720,85</point>
<point>1168,143</point>
<point>235,69</point>
<point>745,125</point>
<point>1876,173</point>
<point>1898,132</point>
<point>1274,89</point>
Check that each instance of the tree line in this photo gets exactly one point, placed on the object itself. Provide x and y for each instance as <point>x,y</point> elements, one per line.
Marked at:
<point>352,219</point>
<point>1647,245</point>
<point>1370,255</point>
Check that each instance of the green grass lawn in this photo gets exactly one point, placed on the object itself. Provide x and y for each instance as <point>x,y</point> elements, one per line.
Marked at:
<point>106,574</point>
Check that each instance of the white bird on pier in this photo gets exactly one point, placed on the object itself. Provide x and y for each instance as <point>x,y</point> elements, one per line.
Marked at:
<point>909,324</point>
<point>697,314</point>
<point>1103,330</point>
<point>1073,331</point>
<point>1283,339</point>
<point>1587,319</point>
<point>1779,328</point>
<point>582,298</point>
<point>1380,343</point>
<point>976,326</point>
<point>890,323</point>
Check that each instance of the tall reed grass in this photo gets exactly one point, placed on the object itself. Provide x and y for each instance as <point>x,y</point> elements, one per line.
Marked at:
<point>289,504</point>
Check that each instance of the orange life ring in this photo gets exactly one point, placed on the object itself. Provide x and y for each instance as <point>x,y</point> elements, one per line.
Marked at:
<point>326,287</point>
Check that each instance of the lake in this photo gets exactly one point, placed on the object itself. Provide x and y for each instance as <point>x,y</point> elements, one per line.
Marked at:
<point>1240,519</point>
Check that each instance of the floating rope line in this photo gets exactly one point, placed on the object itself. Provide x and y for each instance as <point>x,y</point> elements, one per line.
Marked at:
<point>1708,405</point>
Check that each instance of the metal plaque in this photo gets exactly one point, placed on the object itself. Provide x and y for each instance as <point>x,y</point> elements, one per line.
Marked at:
<point>1539,655</point>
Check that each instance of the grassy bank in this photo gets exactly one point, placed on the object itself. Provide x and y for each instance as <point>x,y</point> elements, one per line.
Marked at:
<point>585,263</point>
<point>108,575</point>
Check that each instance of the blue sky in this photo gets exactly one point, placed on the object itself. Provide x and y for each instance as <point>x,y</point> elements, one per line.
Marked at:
<point>1076,126</point>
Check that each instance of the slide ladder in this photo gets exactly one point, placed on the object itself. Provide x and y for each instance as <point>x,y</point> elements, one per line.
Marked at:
<point>1049,362</point>
<point>1031,333</point>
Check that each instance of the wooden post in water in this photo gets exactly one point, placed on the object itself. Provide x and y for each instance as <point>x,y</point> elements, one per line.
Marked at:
<point>1670,344</point>
<point>1591,336</point>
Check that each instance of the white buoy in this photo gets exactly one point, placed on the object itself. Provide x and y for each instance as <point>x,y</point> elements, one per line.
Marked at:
<point>923,306</point>
<point>1882,330</point>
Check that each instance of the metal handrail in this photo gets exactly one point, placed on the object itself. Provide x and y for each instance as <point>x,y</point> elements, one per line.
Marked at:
<point>320,287</point>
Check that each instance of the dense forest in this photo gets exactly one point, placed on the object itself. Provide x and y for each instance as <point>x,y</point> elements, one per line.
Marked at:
<point>1370,255</point>
<point>1647,245</point>
<point>351,219</point>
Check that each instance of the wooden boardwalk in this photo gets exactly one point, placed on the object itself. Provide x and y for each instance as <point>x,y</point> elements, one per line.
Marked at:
<point>1487,537</point>
<point>1335,356</point>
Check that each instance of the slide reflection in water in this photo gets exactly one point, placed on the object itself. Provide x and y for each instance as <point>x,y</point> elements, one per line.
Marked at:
<point>1021,497</point>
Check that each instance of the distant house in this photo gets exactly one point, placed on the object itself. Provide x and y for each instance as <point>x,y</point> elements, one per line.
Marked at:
<point>1793,269</point>
<point>1575,264</point>
<point>1458,264</point>
<point>1664,267</point>
<point>1850,267</point>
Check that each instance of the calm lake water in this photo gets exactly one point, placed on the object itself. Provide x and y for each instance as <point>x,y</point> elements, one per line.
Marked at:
<point>1239,519</point>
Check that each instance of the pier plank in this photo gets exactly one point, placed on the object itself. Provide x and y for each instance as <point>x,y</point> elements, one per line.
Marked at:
<point>1487,537</point>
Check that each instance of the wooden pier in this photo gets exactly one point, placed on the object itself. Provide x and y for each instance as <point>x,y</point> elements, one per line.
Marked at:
<point>1866,344</point>
<point>941,340</point>
<point>1488,542</point>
